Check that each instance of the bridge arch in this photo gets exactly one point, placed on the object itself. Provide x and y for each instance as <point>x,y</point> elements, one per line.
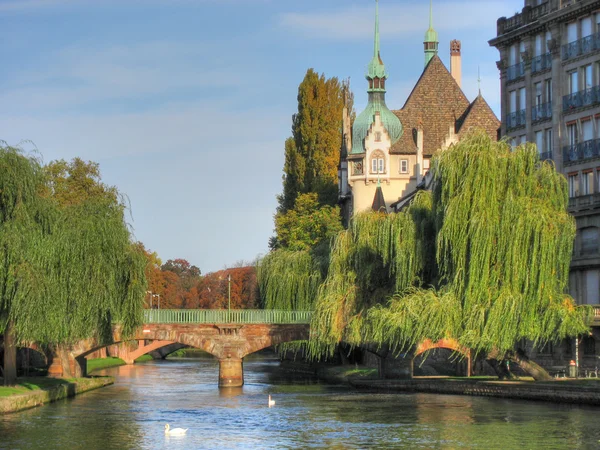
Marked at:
<point>447,343</point>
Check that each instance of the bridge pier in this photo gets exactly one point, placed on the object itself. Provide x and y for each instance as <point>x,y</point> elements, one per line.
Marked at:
<point>231,372</point>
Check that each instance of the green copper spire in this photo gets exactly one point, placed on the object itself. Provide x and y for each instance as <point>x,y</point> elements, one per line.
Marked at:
<point>431,38</point>
<point>376,76</point>
<point>376,69</point>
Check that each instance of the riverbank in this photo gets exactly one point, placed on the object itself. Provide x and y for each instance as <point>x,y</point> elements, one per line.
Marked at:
<point>583,391</point>
<point>36,391</point>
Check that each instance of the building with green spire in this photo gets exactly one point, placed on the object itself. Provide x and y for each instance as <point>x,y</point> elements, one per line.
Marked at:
<point>374,132</point>
<point>385,153</point>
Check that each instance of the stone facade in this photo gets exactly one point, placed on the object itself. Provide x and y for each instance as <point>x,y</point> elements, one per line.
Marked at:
<point>550,95</point>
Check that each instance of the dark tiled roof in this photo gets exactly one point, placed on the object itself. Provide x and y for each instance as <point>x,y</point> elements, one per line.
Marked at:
<point>478,115</point>
<point>379,201</point>
<point>435,104</point>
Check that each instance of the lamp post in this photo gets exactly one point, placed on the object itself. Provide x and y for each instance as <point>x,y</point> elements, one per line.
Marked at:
<point>229,298</point>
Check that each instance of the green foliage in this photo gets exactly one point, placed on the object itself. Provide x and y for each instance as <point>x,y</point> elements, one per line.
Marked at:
<point>68,269</point>
<point>307,225</point>
<point>376,257</point>
<point>288,280</point>
<point>483,259</point>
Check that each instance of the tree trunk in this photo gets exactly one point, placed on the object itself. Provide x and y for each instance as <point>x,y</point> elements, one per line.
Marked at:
<point>10,356</point>
<point>381,352</point>
<point>501,368</point>
<point>528,366</point>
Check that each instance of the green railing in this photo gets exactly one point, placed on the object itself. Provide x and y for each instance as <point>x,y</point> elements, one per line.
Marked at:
<point>241,316</point>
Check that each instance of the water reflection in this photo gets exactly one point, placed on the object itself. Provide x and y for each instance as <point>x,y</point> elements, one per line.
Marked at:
<point>307,414</point>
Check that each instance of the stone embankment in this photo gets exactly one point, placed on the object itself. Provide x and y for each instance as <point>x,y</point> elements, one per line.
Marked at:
<point>20,402</point>
<point>567,391</point>
<point>564,390</point>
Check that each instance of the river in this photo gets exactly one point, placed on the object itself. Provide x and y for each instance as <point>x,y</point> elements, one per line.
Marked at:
<point>132,413</point>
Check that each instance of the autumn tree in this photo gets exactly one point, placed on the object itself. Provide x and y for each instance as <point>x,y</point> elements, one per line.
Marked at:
<point>213,290</point>
<point>77,181</point>
<point>180,290</point>
<point>69,269</point>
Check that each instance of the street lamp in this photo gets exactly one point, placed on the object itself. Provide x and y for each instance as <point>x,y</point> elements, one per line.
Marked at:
<point>229,298</point>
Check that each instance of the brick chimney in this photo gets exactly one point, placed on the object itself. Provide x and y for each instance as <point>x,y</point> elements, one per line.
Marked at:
<point>455,65</point>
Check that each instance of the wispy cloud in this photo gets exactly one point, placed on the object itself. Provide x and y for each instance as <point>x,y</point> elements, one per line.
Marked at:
<point>356,22</point>
<point>81,75</point>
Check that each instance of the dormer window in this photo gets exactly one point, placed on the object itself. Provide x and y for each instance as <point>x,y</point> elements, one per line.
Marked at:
<point>377,165</point>
<point>378,162</point>
<point>404,166</point>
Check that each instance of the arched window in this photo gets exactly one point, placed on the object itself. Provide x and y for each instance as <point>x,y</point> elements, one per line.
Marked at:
<point>378,162</point>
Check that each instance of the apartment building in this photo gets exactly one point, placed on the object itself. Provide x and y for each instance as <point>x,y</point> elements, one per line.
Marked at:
<point>550,95</point>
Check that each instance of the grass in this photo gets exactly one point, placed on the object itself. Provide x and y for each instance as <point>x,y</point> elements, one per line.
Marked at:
<point>28,384</point>
<point>352,371</point>
<point>103,363</point>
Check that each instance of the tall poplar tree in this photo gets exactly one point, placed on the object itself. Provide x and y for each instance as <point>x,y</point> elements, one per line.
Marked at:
<point>312,153</point>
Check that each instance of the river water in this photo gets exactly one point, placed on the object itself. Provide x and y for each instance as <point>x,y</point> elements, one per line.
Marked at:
<point>132,413</point>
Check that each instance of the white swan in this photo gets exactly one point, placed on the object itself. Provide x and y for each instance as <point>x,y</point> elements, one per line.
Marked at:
<point>175,431</point>
<point>271,402</point>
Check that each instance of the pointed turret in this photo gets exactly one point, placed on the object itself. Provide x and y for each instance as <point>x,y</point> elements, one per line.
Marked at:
<point>376,73</point>
<point>430,43</point>
<point>376,76</point>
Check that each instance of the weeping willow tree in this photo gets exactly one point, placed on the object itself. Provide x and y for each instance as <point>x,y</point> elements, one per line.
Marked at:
<point>482,259</point>
<point>379,255</point>
<point>67,272</point>
<point>288,280</point>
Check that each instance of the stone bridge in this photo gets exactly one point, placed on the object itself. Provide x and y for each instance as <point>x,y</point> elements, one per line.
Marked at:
<point>228,342</point>
<point>227,335</point>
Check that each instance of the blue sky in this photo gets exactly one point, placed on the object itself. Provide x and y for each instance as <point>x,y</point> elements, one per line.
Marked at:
<point>186,104</point>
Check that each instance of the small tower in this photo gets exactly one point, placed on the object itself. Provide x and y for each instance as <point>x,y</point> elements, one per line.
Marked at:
<point>455,66</point>
<point>431,38</point>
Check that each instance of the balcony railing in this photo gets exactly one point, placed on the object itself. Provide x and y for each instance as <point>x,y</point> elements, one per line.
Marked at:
<point>515,119</point>
<point>584,202</point>
<point>583,150</point>
<point>541,63</point>
<point>527,15</point>
<point>545,155</point>
<point>541,112</point>
<point>581,46</point>
<point>515,72</point>
<point>596,319</point>
<point>580,99</point>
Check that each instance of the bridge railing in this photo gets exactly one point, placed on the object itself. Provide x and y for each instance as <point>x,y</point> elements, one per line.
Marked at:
<point>237,316</point>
